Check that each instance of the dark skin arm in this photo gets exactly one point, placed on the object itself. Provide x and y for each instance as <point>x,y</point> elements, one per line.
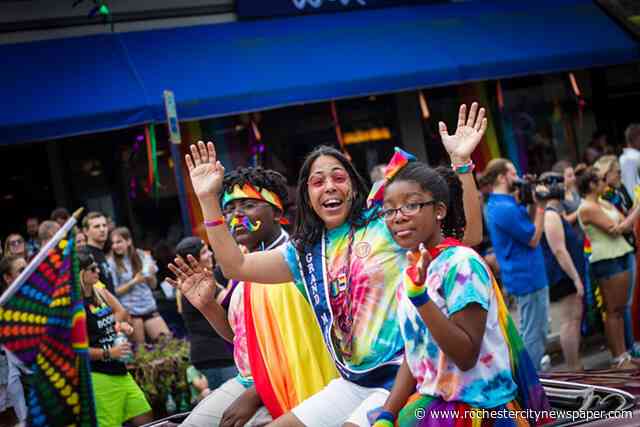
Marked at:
<point>242,409</point>
<point>459,336</point>
<point>403,387</point>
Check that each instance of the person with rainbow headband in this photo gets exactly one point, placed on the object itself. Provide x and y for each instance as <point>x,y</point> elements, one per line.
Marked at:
<point>277,345</point>
<point>462,350</point>
<point>343,260</point>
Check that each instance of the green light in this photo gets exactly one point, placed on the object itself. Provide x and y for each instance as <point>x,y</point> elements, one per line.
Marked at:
<point>104,10</point>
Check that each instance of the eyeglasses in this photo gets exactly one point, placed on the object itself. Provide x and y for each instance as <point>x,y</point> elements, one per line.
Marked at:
<point>16,242</point>
<point>408,210</point>
<point>242,207</point>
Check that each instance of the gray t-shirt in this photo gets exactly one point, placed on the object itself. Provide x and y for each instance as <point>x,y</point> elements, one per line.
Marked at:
<point>139,300</point>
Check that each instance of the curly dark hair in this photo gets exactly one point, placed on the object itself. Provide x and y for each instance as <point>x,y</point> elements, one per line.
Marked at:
<point>260,178</point>
<point>445,186</point>
<point>308,225</point>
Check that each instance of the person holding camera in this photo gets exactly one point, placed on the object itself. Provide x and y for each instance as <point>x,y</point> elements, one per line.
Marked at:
<point>603,224</point>
<point>563,251</point>
<point>516,243</point>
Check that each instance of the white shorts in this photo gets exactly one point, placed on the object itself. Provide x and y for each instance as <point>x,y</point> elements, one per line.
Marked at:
<point>340,402</point>
<point>208,412</point>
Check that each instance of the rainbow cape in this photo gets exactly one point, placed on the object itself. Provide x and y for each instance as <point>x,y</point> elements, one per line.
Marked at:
<point>289,361</point>
<point>530,395</point>
<point>43,324</point>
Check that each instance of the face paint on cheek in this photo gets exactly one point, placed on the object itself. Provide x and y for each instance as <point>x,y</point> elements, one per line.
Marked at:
<point>246,222</point>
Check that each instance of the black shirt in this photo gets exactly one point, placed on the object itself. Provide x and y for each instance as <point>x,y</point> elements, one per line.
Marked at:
<point>101,329</point>
<point>106,275</point>
<point>208,349</point>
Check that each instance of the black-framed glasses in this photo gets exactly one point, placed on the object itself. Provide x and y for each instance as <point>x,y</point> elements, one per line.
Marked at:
<point>409,209</point>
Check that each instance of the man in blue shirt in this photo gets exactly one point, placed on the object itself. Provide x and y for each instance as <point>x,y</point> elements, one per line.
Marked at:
<point>516,244</point>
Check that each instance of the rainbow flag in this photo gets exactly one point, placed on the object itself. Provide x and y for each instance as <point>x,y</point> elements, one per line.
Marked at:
<point>42,322</point>
<point>289,361</point>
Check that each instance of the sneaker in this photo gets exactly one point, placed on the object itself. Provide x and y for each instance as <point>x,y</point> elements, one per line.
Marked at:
<point>625,361</point>
<point>635,351</point>
<point>545,363</point>
<point>624,364</point>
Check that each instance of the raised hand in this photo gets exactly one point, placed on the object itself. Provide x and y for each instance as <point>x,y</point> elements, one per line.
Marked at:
<point>468,133</point>
<point>196,283</point>
<point>418,264</point>
<point>205,171</point>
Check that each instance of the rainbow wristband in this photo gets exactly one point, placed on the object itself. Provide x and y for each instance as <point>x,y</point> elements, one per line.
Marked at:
<point>385,419</point>
<point>417,293</point>
<point>214,223</point>
<point>463,168</point>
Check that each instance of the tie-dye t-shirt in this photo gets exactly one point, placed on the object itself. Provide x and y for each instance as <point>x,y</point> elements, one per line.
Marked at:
<point>365,327</point>
<point>456,278</point>
<point>236,319</point>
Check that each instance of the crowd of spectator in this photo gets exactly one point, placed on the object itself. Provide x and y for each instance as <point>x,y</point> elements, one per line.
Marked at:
<point>559,236</point>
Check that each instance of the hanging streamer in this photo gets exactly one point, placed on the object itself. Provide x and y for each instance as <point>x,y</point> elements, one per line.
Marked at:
<point>154,153</point>
<point>336,124</point>
<point>580,99</point>
<point>499,95</point>
<point>256,147</point>
<point>153,180</point>
<point>424,108</point>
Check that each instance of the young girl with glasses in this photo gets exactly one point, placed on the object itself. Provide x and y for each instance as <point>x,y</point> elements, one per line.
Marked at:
<point>460,347</point>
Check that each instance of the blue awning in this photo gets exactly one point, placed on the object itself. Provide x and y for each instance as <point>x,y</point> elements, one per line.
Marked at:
<point>58,88</point>
<point>222,69</point>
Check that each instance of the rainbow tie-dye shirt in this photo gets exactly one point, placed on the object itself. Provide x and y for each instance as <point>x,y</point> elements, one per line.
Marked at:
<point>367,335</point>
<point>456,278</point>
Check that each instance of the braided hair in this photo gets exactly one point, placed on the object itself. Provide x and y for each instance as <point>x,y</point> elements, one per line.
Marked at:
<point>445,187</point>
<point>260,178</point>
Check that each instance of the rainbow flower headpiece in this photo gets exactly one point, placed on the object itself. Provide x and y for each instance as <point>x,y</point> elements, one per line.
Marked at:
<point>248,191</point>
<point>399,160</point>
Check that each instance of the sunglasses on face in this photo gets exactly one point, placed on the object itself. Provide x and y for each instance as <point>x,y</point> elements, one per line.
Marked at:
<point>93,268</point>
<point>16,242</point>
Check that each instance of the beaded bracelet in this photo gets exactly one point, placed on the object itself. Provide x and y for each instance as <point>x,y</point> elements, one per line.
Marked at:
<point>385,419</point>
<point>215,222</point>
<point>463,168</point>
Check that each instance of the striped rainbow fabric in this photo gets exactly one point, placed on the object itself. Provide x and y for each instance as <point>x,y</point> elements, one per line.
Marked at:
<point>289,361</point>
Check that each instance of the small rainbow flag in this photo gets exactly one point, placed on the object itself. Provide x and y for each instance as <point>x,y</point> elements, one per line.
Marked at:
<point>399,160</point>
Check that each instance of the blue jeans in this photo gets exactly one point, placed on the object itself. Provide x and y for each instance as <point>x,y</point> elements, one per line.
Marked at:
<point>534,310</point>
<point>218,376</point>
<point>628,325</point>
